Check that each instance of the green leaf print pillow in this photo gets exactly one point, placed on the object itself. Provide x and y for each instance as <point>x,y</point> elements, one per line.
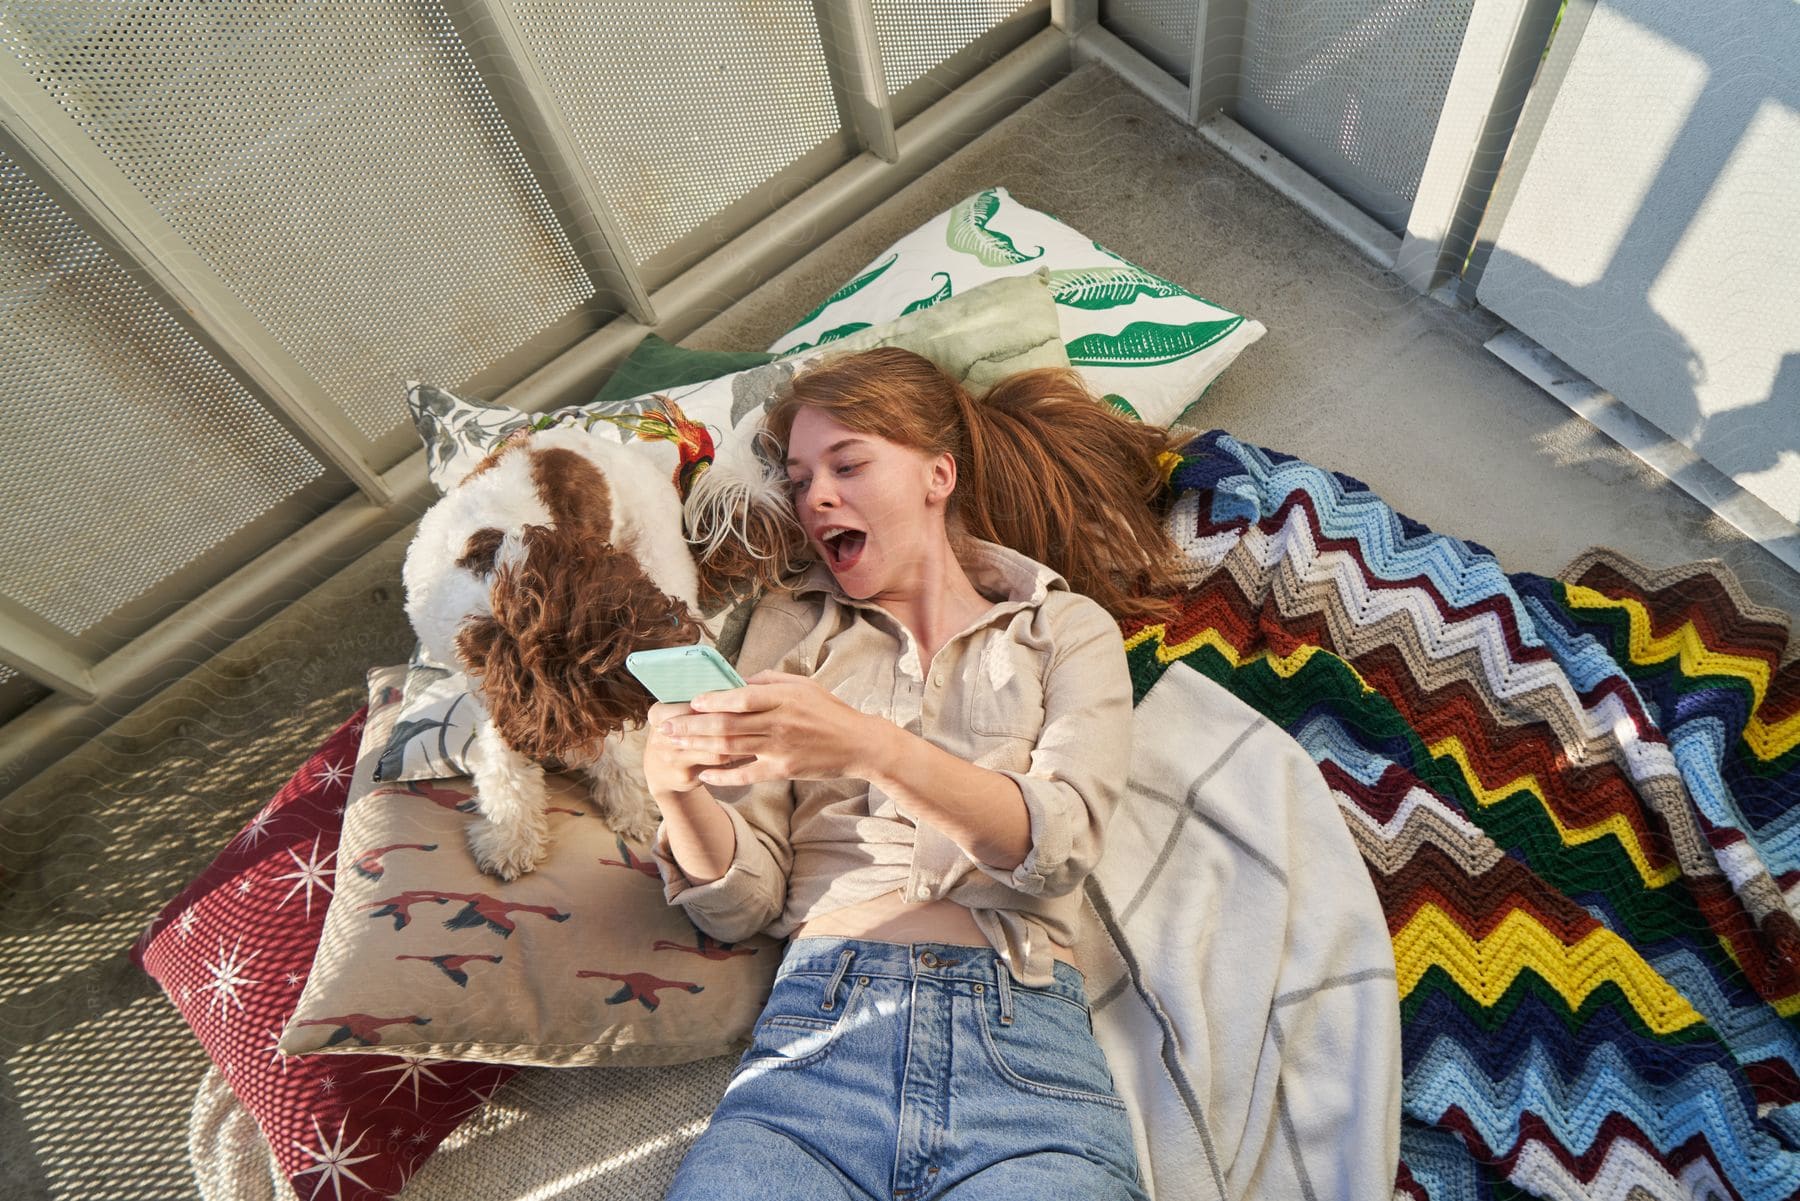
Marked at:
<point>1149,346</point>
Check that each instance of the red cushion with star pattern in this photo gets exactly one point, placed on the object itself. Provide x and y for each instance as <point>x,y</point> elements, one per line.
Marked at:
<point>232,952</point>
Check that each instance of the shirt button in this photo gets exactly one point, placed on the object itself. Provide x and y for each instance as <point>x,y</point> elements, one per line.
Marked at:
<point>938,679</point>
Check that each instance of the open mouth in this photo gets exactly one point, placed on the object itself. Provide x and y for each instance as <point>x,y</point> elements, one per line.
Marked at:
<point>844,547</point>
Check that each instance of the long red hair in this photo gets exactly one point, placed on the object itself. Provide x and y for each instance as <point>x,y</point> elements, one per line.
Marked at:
<point>1042,466</point>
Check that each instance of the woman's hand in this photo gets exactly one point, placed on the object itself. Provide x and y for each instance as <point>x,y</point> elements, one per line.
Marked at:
<point>670,769</point>
<point>789,725</point>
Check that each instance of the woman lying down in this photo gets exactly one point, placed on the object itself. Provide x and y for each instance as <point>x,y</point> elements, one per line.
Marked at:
<point>913,785</point>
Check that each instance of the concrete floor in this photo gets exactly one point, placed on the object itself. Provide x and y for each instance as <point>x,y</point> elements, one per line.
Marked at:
<point>1356,373</point>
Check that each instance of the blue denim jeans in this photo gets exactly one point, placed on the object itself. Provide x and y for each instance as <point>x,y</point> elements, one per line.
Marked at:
<point>906,1072</point>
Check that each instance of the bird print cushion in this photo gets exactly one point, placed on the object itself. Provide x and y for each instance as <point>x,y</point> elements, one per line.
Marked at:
<point>1147,345</point>
<point>233,952</point>
<point>578,962</point>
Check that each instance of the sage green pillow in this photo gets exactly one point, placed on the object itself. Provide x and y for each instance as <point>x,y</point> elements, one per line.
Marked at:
<point>1003,326</point>
<point>657,364</point>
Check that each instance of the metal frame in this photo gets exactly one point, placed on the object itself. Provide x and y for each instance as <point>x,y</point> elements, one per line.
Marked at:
<point>1245,148</point>
<point>32,741</point>
<point>1073,16</point>
<point>95,193</point>
<point>1673,460</point>
<point>1529,129</point>
<point>504,60</point>
<point>1030,19</point>
<point>853,57</point>
<point>44,652</point>
<point>1494,73</point>
<point>1494,70</point>
<point>1218,68</point>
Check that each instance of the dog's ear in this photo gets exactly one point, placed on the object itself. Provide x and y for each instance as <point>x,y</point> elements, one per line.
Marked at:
<point>551,660</point>
<point>740,524</point>
<point>768,548</point>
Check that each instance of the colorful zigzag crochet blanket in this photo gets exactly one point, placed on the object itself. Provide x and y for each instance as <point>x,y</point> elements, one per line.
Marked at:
<point>1590,849</point>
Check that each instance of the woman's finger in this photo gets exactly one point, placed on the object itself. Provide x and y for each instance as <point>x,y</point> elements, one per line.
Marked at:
<point>753,772</point>
<point>721,762</point>
<point>751,699</point>
<point>718,724</point>
<point>740,744</point>
<point>662,711</point>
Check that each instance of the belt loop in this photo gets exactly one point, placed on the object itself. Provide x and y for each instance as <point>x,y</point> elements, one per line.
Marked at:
<point>1005,985</point>
<point>837,978</point>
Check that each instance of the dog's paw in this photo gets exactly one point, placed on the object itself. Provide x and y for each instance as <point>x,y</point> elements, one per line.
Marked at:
<point>630,813</point>
<point>507,851</point>
<point>640,829</point>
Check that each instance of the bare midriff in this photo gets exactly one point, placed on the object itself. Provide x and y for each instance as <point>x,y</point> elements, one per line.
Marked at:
<point>891,918</point>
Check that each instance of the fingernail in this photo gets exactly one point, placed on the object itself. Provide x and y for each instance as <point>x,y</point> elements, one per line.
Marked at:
<point>668,727</point>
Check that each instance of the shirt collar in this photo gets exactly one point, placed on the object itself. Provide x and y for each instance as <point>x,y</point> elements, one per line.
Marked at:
<point>995,570</point>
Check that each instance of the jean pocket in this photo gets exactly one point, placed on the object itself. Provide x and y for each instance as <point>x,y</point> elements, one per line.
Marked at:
<point>1048,1049</point>
<point>787,1037</point>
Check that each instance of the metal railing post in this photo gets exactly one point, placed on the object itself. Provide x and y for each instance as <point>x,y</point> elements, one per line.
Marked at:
<point>57,153</point>
<point>1494,69</point>
<point>1218,68</point>
<point>503,57</point>
<point>1538,104</point>
<point>44,653</point>
<point>1073,16</point>
<point>853,59</point>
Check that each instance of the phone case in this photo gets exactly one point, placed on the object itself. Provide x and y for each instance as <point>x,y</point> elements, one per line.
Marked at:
<point>681,673</point>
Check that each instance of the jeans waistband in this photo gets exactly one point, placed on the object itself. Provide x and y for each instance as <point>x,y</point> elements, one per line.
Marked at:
<point>824,955</point>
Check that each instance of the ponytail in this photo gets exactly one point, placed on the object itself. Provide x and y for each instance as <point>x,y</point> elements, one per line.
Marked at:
<point>1073,483</point>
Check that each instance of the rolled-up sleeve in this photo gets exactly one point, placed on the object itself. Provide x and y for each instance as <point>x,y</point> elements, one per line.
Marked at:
<point>1080,763</point>
<point>753,891</point>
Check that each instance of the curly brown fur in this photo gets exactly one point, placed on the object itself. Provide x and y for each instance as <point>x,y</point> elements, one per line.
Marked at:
<point>573,489</point>
<point>479,551</point>
<point>551,660</point>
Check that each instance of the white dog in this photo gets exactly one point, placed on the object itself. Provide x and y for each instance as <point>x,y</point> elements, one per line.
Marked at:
<point>558,555</point>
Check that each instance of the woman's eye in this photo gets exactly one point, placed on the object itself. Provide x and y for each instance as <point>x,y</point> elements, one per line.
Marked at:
<point>847,468</point>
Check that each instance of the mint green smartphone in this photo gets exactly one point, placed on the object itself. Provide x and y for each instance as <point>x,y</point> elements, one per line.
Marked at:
<point>676,674</point>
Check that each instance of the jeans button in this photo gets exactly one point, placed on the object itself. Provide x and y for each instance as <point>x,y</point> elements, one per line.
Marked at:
<point>928,959</point>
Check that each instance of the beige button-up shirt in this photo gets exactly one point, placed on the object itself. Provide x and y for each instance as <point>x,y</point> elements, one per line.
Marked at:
<point>1037,688</point>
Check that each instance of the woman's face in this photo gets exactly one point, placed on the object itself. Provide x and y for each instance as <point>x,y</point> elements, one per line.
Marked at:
<point>887,498</point>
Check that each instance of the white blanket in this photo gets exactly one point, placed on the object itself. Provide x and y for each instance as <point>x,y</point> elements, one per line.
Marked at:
<point>1239,964</point>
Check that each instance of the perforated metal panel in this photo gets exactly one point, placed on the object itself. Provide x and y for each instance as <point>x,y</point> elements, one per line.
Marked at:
<point>680,109</point>
<point>128,451</point>
<point>1352,90</point>
<point>917,35</point>
<point>1161,30</point>
<point>338,163</point>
